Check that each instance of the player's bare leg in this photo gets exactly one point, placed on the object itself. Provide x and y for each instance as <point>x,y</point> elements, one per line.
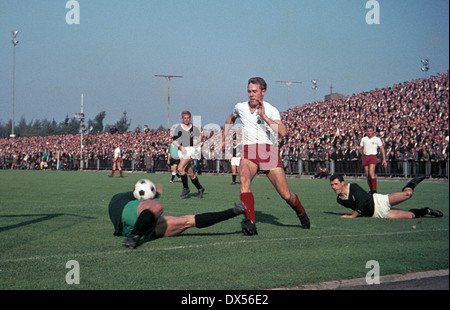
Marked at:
<point>113,168</point>
<point>247,171</point>
<point>119,167</point>
<point>278,179</point>
<point>407,193</point>
<point>195,181</point>
<point>369,170</point>
<point>152,205</point>
<point>234,170</point>
<point>169,226</point>
<point>399,214</point>
<point>185,170</point>
<point>399,197</point>
<point>182,166</point>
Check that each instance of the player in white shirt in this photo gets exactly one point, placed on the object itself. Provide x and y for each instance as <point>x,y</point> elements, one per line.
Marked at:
<point>116,161</point>
<point>235,159</point>
<point>261,127</point>
<point>369,146</point>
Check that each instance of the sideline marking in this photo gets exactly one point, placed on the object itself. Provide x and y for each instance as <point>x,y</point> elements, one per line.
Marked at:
<point>181,247</point>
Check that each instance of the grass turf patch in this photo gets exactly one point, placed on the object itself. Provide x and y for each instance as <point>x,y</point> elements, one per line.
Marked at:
<point>50,217</point>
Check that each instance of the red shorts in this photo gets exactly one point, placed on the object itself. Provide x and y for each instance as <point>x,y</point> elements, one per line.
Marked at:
<point>117,160</point>
<point>266,156</point>
<point>369,160</point>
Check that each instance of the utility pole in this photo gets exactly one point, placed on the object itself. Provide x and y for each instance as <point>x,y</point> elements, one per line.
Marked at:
<point>14,42</point>
<point>289,83</point>
<point>168,77</point>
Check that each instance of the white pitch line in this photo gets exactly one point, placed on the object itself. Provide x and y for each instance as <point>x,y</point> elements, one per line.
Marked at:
<point>214,244</point>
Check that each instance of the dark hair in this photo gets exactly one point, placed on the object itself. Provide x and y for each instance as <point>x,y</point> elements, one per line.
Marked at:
<point>257,80</point>
<point>340,177</point>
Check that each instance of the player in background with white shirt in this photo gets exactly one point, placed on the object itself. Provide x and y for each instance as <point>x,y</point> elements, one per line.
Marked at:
<point>369,146</point>
<point>116,161</point>
<point>261,127</point>
<point>235,159</point>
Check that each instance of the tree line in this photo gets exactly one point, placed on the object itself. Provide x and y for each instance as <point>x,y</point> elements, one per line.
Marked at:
<point>67,126</point>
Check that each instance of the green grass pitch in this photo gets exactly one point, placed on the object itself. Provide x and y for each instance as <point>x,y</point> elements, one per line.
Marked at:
<point>48,218</point>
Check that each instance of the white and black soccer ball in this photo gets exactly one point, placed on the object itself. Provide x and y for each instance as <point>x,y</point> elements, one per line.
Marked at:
<point>144,189</point>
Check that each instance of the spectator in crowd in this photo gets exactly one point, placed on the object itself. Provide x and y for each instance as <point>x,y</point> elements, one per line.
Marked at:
<point>410,114</point>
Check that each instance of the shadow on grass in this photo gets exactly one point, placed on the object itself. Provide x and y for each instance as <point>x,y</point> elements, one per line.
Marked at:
<point>41,218</point>
<point>270,219</point>
<point>260,217</point>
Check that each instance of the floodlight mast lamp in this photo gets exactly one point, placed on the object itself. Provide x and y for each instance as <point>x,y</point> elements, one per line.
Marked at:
<point>425,66</point>
<point>314,87</point>
<point>168,77</point>
<point>14,42</point>
<point>289,83</point>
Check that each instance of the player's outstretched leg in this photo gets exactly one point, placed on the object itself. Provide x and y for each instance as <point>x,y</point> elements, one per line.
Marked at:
<point>300,211</point>
<point>208,219</point>
<point>414,182</point>
<point>426,211</point>
<point>434,212</point>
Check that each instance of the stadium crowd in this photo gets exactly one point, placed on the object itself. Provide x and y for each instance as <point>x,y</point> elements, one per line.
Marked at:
<point>412,119</point>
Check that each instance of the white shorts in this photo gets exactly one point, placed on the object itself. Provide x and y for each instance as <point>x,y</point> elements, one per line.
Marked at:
<point>191,152</point>
<point>381,205</point>
<point>235,161</point>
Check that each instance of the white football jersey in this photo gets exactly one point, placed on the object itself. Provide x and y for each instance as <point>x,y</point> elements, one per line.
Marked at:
<point>117,153</point>
<point>254,129</point>
<point>370,145</point>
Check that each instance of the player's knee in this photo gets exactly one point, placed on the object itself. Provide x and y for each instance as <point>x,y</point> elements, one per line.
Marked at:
<point>286,195</point>
<point>153,206</point>
<point>158,210</point>
<point>408,193</point>
<point>245,181</point>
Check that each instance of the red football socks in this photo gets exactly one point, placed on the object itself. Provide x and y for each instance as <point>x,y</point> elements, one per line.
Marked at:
<point>249,201</point>
<point>297,206</point>
<point>372,184</point>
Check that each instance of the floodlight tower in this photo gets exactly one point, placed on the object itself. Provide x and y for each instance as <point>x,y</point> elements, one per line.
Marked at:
<point>168,77</point>
<point>289,83</point>
<point>14,42</point>
<point>80,116</point>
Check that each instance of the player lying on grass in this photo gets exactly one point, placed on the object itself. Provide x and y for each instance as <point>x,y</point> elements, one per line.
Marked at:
<point>138,219</point>
<point>377,205</point>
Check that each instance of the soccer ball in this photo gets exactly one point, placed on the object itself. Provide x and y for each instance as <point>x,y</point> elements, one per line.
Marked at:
<point>144,189</point>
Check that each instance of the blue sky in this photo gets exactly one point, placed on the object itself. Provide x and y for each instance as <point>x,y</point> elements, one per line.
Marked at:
<point>112,55</point>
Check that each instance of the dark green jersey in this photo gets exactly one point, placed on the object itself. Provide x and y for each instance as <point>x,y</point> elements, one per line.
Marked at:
<point>116,206</point>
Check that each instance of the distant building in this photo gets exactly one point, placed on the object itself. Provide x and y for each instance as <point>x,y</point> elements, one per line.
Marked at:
<point>333,96</point>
